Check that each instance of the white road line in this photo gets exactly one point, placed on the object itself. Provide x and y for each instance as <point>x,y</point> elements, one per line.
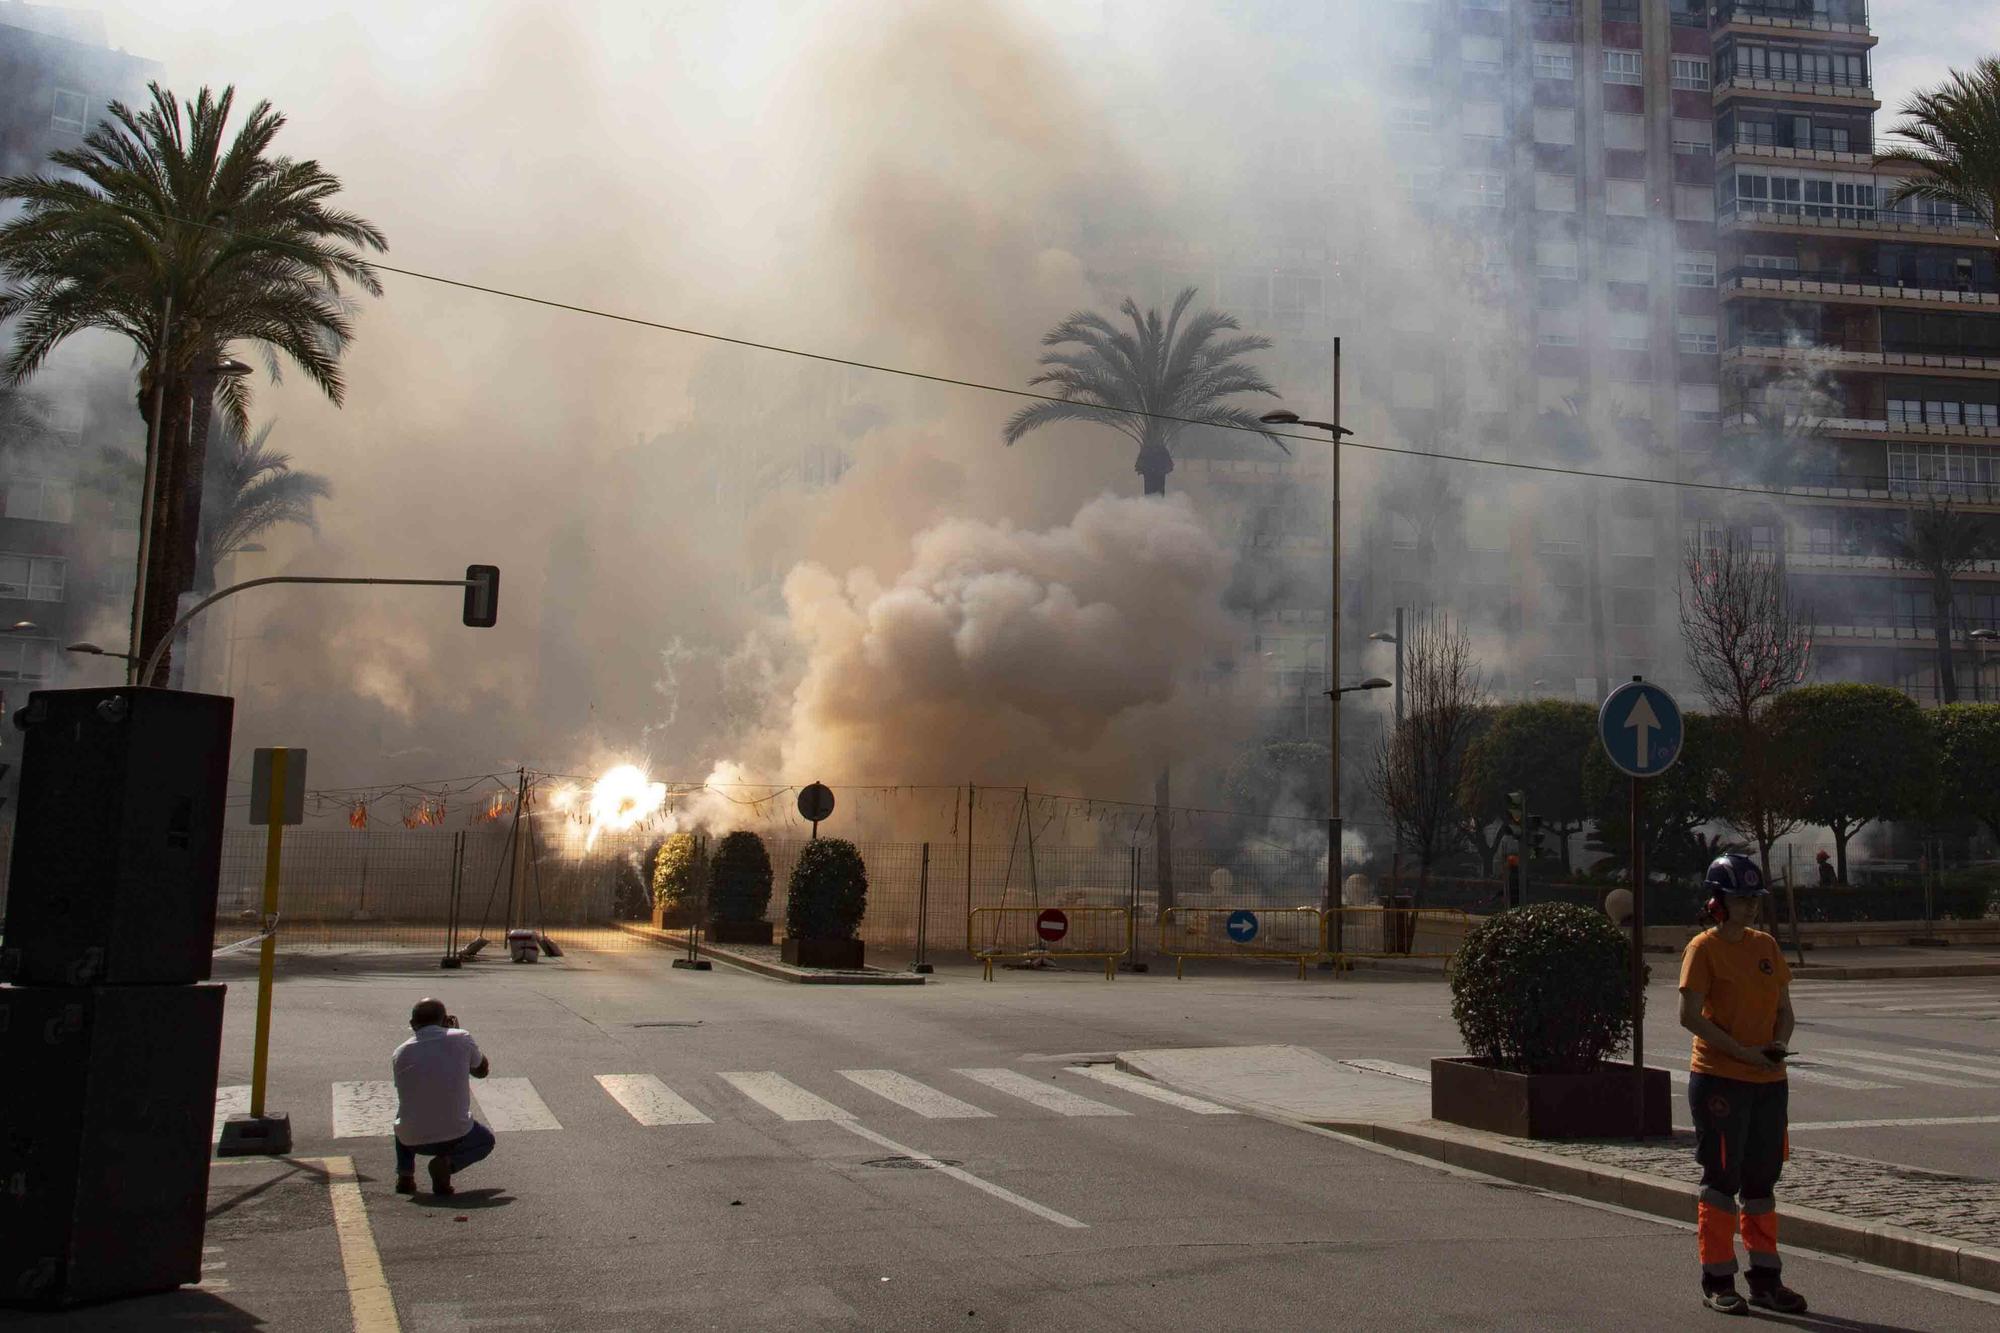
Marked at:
<point>1949,1066</point>
<point>1943,1007</point>
<point>1680,1077</point>
<point>1890,1071</point>
<point>1992,1061</point>
<point>229,1101</point>
<point>649,1101</point>
<point>512,1104</point>
<point>911,1095</point>
<point>959,1173</point>
<point>1045,1095</point>
<point>1899,1124</point>
<point>364,1110</point>
<point>1145,1087</point>
<point>1392,1069</point>
<point>784,1098</point>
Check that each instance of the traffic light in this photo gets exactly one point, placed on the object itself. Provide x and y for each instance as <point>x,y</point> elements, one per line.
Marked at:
<point>482,596</point>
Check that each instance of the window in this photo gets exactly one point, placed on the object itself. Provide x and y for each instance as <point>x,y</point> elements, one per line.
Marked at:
<point>1700,402</point>
<point>1558,328</point>
<point>1694,203</point>
<point>1485,531</point>
<point>1625,199</point>
<point>1555,194</point>
<point>1414,116</point>
<point>1630,534</point>
<point>1625,134</point>
<point>1560,605</point>
<point>1695,268</point>
<point>1631,606</point>
<point>1555,60</point>
<point>41,498</point>
<point>1485,189</point>
<point>1555,259</point>
<point>1411,47</point>
<point>1626,263</point>
<point>33,577</point>
<point>1555,125</point>
<point>1483,4</point>
<point>1772,263</point>
<point>1694,138</point>
<point>69,111</point>
<point>26,659</point>
<point>1690,72</point>
<point>1631,330</point>
<point>1623,66</point>
<point>1480,54</point>
<point>1483,120</point>
<point>1698,335</point>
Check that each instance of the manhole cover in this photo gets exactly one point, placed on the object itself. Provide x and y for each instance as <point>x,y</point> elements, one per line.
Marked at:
<point>910,1163</point>
<point>671,1023</point>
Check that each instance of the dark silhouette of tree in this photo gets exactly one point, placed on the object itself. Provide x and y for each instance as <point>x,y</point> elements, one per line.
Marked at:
<point>251,488</point>
<point>1420,768</point>
<point>1942,543</point>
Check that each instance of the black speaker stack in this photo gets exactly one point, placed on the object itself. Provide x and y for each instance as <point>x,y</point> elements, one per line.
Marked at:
<point>109,1041</point>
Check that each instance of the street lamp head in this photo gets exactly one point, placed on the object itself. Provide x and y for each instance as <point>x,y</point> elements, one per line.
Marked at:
<point>1280,418</point>
<point>1373,683</point>
<point>21,626</point>
<point>1984,634</point>
<point>231,367</point>
<point>1382,636</point>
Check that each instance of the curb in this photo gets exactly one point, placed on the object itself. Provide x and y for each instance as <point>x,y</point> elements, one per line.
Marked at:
<point>777,971</point>
<point>1877,1243</point>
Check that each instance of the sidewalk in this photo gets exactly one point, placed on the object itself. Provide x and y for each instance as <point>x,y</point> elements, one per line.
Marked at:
<point>1926,1222</point>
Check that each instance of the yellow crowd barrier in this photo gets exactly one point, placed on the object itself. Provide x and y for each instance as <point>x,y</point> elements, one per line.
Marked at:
<point>1242,932</point>
<point>1399,932</point>
<point>1049,932</point>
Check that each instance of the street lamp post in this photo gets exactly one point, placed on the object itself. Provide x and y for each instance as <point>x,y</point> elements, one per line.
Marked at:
<point>1334,430</point>
<point>1382,636</point>
<point>1986,638</point>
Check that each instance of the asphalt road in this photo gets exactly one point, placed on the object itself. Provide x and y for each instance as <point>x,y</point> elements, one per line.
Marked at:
<point>1138,1213</point>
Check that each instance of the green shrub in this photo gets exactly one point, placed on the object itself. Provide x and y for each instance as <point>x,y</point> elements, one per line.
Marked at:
<point>632,890</point>
<point>828,892</point>
<point>675,883</point>
<point>1543,989</point>
<point>740,879</point>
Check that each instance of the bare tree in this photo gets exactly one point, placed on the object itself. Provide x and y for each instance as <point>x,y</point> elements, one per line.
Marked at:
<point>1747,642</point>
<point>1420,767</point>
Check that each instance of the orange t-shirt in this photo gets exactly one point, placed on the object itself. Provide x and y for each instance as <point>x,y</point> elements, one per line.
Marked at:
<point>1740,984</point>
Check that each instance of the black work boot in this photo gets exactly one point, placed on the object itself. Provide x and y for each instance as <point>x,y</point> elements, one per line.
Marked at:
<point>1720,1294</point>
<point>1768,1292</point>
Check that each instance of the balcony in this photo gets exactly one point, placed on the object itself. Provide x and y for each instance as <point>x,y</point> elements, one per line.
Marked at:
<point>1835,87</point>
<point>1859,220</point>
<point>1921,359</point>
<point>1878,564</point>
<point>1877,428</point>
<point>1865,288</point>
<point>1846,18</point>
<point>1898,491</point>
<point>1747,151</point>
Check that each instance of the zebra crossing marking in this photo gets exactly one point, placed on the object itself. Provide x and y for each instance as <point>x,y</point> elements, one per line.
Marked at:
<point>649,1101</point>
<point>1047,1096</point>
<point>784,1098</point>
<point>1946,1065</point>
<point>512,1105</point>
<point>1890,1071</point>
<point>911,1095</point>
<point>1144,1087</point>
<point>1992,1060</point>
<point>365,1109</point>
<point>229,1101</point>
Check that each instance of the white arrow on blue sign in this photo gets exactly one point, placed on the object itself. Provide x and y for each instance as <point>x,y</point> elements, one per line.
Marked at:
<point>1640,727</point>
<point>1242,926</point>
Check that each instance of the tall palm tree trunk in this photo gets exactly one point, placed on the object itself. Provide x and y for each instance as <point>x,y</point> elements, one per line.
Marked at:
<point>1941,627</point>
<point>163,578</point>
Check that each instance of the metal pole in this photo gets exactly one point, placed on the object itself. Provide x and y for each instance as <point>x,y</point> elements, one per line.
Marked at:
<point>267,952</point>
<point>153,438</point>
<point>1792,903</point>
<point>1332,896</point>
<point>923,909</point>
<point>968,853</point>
<point>1638,960</point>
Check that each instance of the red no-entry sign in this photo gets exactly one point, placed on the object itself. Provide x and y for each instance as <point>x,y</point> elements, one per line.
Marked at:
<point>1052,924</point>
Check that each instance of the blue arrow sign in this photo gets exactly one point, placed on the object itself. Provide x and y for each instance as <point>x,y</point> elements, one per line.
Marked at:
<point>1242,926</point>
<point>1640,727</point>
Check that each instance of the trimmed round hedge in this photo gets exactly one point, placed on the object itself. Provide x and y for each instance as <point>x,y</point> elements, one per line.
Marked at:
<point>674,873</point>
<point>828,892</point>
<point>739,879</point>
<point>1544,989</point>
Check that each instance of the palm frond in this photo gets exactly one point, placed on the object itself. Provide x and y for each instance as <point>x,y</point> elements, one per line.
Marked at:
<point>1951,144</point>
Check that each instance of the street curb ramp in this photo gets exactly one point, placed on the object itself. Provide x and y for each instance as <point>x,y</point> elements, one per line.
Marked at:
<point>1879,1243</point>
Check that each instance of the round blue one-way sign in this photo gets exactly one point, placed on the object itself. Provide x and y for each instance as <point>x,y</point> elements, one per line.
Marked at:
<point>1242,926</point>
<point>1640,727</point>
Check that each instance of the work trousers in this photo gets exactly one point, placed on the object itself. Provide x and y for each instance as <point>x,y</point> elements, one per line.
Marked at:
<point>1740,1142</point>
<point>470,1147</point>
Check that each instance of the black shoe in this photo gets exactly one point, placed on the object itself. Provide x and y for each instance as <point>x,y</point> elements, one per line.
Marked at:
<point>1772,1294</point>
<point>406,1184</point>
<point>1720,1294</point>
<point>441,1176</point>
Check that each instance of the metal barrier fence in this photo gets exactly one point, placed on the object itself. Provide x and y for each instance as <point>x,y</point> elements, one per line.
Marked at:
<point>1297,933</point>
<point>1031,933</point>
<point>1400,932</point>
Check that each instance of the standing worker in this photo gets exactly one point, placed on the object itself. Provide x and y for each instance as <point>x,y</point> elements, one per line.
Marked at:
<point>434,1099</point>
<point>1736,1000</point>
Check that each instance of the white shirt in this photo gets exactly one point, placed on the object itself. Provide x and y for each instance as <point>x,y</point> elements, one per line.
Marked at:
<point>434,1085</point>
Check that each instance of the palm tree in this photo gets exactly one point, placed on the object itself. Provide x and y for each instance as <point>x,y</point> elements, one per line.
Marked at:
<point>1149,384</point>
<point>1942,542</point>
<point>23,420</point>
<point>1954,144</point>
<point>167,230</point>
<point>250,488</point>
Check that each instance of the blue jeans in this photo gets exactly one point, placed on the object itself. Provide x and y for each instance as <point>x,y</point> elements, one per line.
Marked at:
<point>470,1147</point>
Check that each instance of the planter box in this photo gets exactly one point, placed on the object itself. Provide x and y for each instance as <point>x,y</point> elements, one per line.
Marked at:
<point>672,918</point>
<point>1473,1093</point>
<point>843,954</point>
<point>739,932</point>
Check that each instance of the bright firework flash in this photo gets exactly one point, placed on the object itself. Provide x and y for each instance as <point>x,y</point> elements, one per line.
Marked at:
<point>623,797</point>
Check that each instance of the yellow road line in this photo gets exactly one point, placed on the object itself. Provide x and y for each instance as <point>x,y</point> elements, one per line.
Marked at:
<point>367,1287</point>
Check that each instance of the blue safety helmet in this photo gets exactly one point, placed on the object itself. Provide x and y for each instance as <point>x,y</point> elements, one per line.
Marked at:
<point>1735,873</point>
